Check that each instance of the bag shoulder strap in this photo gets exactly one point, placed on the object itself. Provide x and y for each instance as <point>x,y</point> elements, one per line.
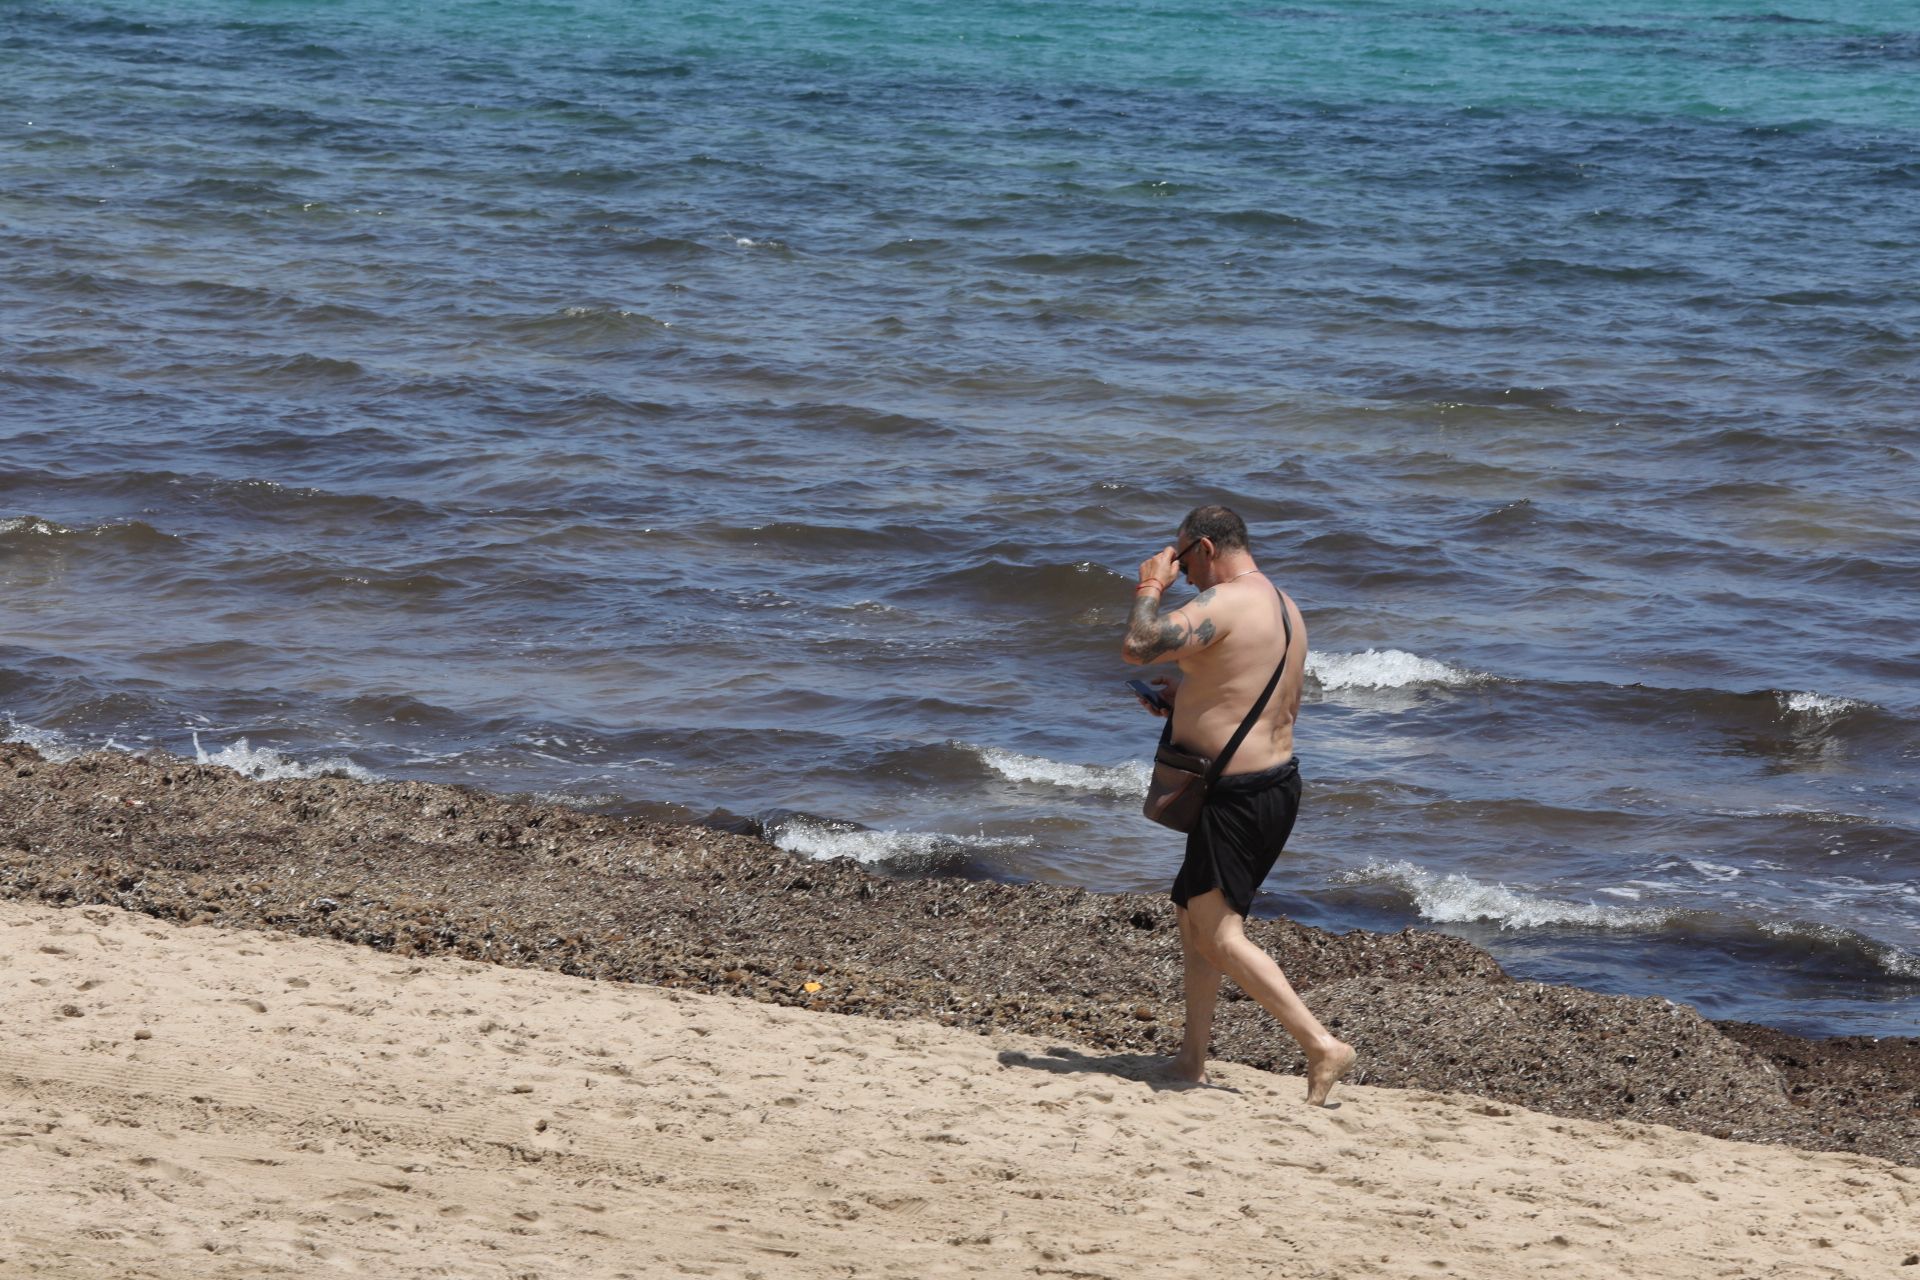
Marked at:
<point>1260,703</point>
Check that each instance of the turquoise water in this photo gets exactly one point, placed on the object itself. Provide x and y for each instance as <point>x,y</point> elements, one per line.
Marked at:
<point>1774,66</point>
<point>729,412</point>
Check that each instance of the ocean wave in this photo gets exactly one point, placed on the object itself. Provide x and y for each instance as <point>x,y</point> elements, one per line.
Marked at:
<point>568,800</point>
<point>29,529</point>
<point>825,838</point>
<point>264,764</point>
<point>1127,780</point>
<point>1385,669</point>
<point>1713,872</point>
<point>30,525</point>
<point>1820,706</point>
<point>1087,262</point>
<point>178,490</point>
<point>54,747</point>
<point>1263,220</point>
<point>1897,962</point>
<point>1458,899</point>
<point>654,246</point>
<point>803,537</point>
<point>1003,587</point>
<point>584,323</point>
<point>834,416</point>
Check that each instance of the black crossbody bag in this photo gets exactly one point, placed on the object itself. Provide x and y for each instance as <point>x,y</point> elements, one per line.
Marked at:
<point>1182,779</point>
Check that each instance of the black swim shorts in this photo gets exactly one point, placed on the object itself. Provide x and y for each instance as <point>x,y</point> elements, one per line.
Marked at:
<point>1245,824</point>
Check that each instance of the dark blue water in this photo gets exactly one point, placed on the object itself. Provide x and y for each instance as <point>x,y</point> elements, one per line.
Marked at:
<point>718,413</point>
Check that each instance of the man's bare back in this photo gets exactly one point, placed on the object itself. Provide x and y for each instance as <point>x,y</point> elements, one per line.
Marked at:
<point>1221,681</point>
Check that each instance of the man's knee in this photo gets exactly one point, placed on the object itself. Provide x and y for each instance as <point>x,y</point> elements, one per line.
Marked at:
<point>1214,950</point>
<point>1194,938</point>
<point>1211,925</point>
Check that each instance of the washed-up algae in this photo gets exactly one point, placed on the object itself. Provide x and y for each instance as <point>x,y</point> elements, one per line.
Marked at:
<point>424,869</point>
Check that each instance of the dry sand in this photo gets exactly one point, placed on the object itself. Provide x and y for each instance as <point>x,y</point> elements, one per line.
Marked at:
<point>196,1102</point>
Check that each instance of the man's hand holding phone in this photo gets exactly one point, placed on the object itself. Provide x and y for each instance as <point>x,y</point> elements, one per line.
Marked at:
<point>1156,695</point>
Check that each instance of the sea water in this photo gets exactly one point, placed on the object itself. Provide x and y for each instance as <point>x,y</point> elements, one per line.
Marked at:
<point>756,412</point>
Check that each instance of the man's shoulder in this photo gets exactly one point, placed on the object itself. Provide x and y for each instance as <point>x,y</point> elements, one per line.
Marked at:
<point>1232,611</point>
<point>1247,607</point>
<point>1238,594</point>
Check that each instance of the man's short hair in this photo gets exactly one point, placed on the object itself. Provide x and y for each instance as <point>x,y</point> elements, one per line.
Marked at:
<point>1227,530</point>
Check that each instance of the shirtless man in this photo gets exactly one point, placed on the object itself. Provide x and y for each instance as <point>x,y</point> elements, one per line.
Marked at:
<point>1227,640</point>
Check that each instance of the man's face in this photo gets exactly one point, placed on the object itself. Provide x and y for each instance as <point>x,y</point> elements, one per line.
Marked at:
<point>1195,558</point>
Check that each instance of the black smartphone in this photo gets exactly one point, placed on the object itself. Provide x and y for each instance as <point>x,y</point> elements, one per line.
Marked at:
<point>1151,694</point>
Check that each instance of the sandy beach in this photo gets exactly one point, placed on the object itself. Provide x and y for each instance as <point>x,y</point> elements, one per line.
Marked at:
<point>427,870</point>
<point>204,1102</point>
<point>570,574</point>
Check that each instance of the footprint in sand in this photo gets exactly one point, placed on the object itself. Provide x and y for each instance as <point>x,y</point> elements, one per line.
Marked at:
<point>168,1170</point>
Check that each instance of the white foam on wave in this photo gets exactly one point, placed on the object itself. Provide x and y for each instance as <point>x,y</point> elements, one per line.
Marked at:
<point>568,800</point>
<point>32,524</point>
<point>1820,706</point>
<point>1895,961</point>
<point>1715,871</point>
<point>260,763</point>
<point>610,313</point>
<point>1458,899</point>
<point>54,747</point>
<point>1384,669</point>
<point>1899,963</point>
<point>1127,780</point>
<point>264,764</point>
<point>863,845</point>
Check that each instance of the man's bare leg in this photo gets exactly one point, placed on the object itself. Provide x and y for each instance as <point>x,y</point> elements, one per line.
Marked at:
<point>1218,930</point>
<point>1203,992</point>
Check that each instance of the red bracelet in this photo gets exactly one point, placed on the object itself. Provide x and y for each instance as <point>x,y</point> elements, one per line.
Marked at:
<point>1149,586</point>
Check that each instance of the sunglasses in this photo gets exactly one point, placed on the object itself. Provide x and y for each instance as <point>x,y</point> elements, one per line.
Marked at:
<point>1180,556</point>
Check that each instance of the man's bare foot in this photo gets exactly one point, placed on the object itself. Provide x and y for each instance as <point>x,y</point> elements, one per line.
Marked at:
<point>1325,1069</point>
<point>1193,1071</point>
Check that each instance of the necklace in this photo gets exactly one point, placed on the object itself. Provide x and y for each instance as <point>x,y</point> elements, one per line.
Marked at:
<point>1236,577</point>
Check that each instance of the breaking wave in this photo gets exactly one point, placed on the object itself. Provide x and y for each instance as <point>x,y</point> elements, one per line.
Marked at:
<point>1127,780</point>
<point>1819,706</point>
<point>1385,669</point>
<point>824,838</point>
<point>54,747</point>
<point>264,764</point>
<point>1895,961</point>
<point>1458,899</point>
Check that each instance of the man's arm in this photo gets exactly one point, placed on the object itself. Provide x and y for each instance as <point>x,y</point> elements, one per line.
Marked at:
<point>1154,637</point>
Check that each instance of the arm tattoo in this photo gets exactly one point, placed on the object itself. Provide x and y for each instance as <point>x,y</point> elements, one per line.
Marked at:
<point>1150,637</point>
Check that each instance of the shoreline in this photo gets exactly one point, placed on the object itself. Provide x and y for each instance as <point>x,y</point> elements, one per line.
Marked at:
<point>423,869</point>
